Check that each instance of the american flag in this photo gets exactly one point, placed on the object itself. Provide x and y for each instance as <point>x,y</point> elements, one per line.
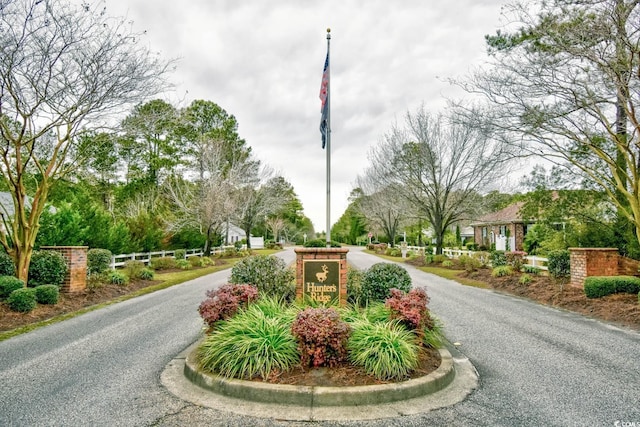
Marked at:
<point>324,95</point>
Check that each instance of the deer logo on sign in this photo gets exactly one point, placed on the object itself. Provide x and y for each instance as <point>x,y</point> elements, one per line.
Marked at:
<point>322,276</point>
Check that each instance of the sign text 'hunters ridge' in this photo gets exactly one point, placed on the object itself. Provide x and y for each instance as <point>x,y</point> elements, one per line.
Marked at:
<point>321,281</point>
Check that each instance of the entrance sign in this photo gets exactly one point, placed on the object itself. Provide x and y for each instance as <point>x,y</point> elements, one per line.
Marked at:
<point>321,281</point>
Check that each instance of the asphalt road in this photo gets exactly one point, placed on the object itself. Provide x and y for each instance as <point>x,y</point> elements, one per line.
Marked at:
<point>538,366</point>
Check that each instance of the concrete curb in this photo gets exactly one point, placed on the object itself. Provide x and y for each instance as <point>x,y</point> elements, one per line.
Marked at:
<point>450,384</point>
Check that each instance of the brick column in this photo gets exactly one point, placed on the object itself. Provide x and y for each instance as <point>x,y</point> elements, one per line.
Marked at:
<point>76,259</point>
<point>321,274</point>
<point>586,262</point>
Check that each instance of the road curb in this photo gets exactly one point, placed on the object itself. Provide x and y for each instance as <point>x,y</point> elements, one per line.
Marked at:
<point>451,383</point>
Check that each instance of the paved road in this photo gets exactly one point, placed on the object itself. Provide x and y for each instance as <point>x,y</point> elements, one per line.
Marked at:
<point>538,366</point>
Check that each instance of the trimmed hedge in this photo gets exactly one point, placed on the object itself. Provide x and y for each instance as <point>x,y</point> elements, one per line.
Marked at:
<point>98,261</point>
<point>9,284</point>
<point>7,266</point>
<point>47,268</point>
<point>600,286</point>
<point>22,300</point>
<point>47,294</point>
<point>380,278</point>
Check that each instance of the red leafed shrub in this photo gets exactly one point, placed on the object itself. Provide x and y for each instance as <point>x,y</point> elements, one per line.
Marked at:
<point>322,337</point>
<point>224,302</point>
<point>410,308</point>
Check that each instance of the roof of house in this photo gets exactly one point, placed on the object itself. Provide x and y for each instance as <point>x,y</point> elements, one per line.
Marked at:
<point>509,215</point>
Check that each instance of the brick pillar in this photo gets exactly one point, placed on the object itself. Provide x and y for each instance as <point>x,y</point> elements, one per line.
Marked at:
<point>586,262</point>
<point>321,274</point>
<point>76,259</point>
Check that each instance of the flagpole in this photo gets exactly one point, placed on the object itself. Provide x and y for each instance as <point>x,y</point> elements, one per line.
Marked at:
<point>328,147</point>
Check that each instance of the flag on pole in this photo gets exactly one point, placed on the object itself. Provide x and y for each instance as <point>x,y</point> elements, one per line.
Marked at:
<point>324,95</point>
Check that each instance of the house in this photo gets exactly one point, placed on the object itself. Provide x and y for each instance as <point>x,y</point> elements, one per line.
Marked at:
<point>505,229</point>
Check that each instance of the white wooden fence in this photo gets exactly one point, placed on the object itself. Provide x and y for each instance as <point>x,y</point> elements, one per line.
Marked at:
<point>533,261</point>
<point>146,257</point>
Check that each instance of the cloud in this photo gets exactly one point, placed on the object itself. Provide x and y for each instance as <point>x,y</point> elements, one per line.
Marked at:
<point>262,62</point>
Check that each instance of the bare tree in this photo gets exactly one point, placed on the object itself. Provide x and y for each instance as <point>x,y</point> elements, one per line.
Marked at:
<point>437,166</point>
<point>62,69</point>
<point>566,86</point>
<point>275,225</point>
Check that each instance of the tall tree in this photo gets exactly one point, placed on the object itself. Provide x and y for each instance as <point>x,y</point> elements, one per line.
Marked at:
<point>62,69</point>
<point>566,85</point>
<point>438,166</point>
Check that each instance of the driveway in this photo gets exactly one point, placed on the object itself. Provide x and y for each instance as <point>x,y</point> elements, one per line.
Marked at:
<point>537,365</point>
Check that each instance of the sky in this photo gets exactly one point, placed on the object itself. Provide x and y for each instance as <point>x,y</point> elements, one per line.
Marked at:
<point>262,61</point>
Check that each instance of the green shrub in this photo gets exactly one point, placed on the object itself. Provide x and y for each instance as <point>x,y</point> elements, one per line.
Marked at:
<point>559,264</point>
<point>483,258</point>
<point>440,258</point>
<point>198,261</point>
<point>47,294</point>
<point>269,274</point>
<point>183,264</point>
<point>319,243</point>
<point>469,263</point>
<point>249,344</point>
<point>497,258</point>
<point>386,350</point>
<point>98,261</point>
<point>515,259</point>
<point>525,279</point>
<point>9,284</point>
<point>447,263</point>
<point>501,271</point>
<point>428,259</point>
<point>354,285</point>
<point>132,268</point>
<point>7,266</point>
<point>163,263</point>
<point>394,252</point>
<point>471,246</point>
<point>118,278</point>
<point>600,286</point>
<point>529,269</point>
<point>22,300</point>
<point>380,278</point>
<point>146,274</point>
<point>322,337</point>
<point>47,268</point>
<point>180,254</point>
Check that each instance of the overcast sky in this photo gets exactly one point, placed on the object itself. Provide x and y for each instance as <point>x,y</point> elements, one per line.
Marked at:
<point>261,60</point>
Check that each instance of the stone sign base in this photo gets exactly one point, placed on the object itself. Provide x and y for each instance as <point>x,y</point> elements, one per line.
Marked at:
<point>321,275</point>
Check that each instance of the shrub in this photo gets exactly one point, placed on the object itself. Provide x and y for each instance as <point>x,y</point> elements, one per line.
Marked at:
<point>380,278</point>
<point>146,274</point>
<point>471,246</point>
<point>529,269</point>
<point>354,285</point>
<point>385,350</point>
<point>180,254</point>
<point>132,268</point>
<point>525,279</point>
<point>600,286</point>
<point>163,263</point>
<point>183,264</point>
<point>118,278</point>
<point>483,258</point>
<point>373,313</point>
<point>559,264</point>
<point>47,294</point>
<point>322,337</point>
<point>7,266</point>
<point>22,300</point>
<point>447,263</point>
<point>198,261</point>
<point>249,344</point>
<point>225,301</point>
<point>515,259</point>
<point>47,268</point>
<point>319,243</point>
<point>497,258</point>
<point>98,261</point>
<point>440,258</point>
<point>9,284</point>
<point>394,252</point>
<point>410,308</point>
<point>469,263</point>
<point>269,274</point>
<point>379,248</point>
<point>501,271</point>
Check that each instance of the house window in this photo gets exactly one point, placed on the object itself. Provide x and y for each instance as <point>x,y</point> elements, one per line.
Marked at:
<point>503,230</point>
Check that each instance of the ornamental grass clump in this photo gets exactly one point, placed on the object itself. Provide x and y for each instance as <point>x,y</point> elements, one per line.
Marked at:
<point>322,337</point>
<point>249,344</point>
<point>224,302</point>
<point>385,350</point>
